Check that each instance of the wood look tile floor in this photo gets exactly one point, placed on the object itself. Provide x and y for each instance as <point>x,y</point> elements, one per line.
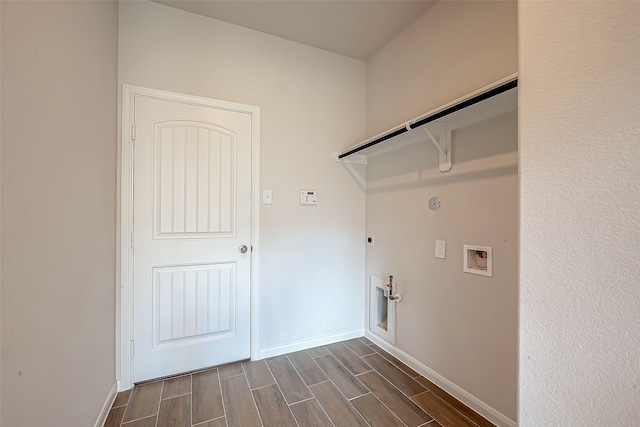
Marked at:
<point>351,383</point>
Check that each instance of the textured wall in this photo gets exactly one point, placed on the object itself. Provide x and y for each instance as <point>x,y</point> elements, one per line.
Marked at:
<point>462,326</point>
<point>580,214</point>
<point>59,69</point>
<point>312,103</point>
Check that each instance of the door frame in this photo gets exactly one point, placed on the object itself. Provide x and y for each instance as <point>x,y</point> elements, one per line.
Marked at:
<point>124,257</point>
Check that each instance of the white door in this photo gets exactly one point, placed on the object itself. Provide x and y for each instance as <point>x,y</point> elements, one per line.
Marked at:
<point>192,223</point>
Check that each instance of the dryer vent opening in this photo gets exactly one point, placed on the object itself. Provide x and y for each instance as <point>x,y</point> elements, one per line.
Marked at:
<point>382,311</point>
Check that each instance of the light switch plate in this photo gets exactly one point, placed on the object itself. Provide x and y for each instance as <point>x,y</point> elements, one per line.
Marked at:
<point>308,197</point>
<point>267,197</point>
<point>441,249</point>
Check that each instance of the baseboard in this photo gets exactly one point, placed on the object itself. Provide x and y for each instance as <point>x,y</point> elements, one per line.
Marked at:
<point>491,414</point>
<point>107,406</point>
<point>305,344</point>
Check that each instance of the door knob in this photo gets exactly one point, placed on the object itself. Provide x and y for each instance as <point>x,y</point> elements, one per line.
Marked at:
<point>243,249</point>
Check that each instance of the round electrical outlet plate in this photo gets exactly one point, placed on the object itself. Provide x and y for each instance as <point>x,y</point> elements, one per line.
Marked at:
<point>434,203</point>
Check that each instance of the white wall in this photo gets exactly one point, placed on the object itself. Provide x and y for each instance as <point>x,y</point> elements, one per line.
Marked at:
<point>58,211</point>
<point>312,102</point>
<point>461,326</point>
<point>580,221</point>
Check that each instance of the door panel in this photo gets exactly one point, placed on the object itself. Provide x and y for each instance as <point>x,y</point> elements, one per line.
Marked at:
<point>192,211</point>
<point>192,302</point>
<point>195,180</point>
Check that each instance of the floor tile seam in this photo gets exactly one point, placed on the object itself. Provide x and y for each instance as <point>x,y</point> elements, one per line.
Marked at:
<point>270,372</point>
<point>363,338</point>
<point>404,394</point>
<point>129,398</point>
<point>315,357</point>
<point>396,415</point>
<point>350,404</point>
<point>347,369</point>
<point>162,399</point>
<point>321,407</point>
<point>394,365</point>
<point>262,386</point>
<point>347,399</point>
<point>278,384</point>
<point>452,407</point>
<point>138,419</point>
<point>126,405</point>
<point>281,393</point>
<point>253,399</point>
<point>385,378</point>
<point>363,394</point>
<point>224,407</point>
<point>339,391</point>
<point>419,406</point>
<point>119,406</point>
<point>302,401</point>
<point>236,375</point>
<point>398,388</point>
<point>347,347</point>
<point>208,421</point>
<point>410,375</point>
<point>297,371</point>
<point>159,403</point>
<point>295,420</point>
<point>389,409</point>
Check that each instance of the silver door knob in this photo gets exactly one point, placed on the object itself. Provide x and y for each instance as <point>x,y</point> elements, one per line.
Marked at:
<point>243,249</point>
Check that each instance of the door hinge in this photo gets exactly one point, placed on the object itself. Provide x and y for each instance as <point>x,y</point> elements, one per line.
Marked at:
<point>251,248</point>
<point>133,347</point>
<point>133,132</point>
<point>132,239</point>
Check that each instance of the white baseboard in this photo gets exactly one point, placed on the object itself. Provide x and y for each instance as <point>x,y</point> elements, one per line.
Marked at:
<point>491,414</point>
<point>107,406</point>
<point>305,344</point>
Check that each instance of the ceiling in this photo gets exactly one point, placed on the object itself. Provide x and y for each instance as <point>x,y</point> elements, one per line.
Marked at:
<point>354,28</point>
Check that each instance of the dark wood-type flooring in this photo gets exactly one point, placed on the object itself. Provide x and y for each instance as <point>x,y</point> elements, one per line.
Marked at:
<point>351,383</point>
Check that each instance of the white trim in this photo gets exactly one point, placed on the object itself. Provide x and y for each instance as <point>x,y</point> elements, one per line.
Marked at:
<point>124,297</point>
<point>255,235</point>
<point>491,414</point>
<point>305,344</point>
<point>104,412</point>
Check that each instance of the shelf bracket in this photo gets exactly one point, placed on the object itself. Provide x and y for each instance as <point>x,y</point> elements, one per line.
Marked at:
<point>443,144</point>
